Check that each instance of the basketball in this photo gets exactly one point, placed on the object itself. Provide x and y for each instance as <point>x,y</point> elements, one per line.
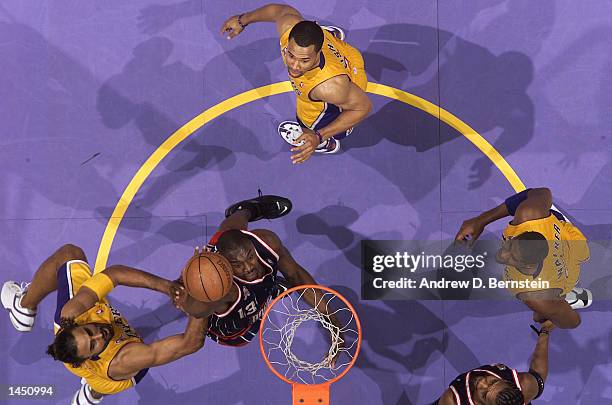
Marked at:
<point>207,276</point>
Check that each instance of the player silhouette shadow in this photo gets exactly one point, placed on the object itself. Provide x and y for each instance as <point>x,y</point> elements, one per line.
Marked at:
<point>138,97</point>
<point>251,372</point>
<point>465,69</point>
<point>423,331</point>
<point>594,356</point>
<point>36,143</point>
<point>421,328</point>
<point>406,56</point>
<point>331,221</point>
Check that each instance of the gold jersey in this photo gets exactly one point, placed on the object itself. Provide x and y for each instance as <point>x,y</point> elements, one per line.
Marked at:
<point>337,58</point>
<point>70,278</point>
<point>568,249</point>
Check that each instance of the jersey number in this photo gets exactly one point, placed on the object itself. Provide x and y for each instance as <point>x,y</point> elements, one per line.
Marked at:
<point>249,309</point>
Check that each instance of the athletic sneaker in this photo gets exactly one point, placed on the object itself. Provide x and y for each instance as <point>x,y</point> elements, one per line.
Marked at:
<point>262,207</point>
<point>21,318</point>
<point>290,131</point>
<point>579,298</point>
<point>84,396</point>
<point>329,147</point>
<point>336,31</point>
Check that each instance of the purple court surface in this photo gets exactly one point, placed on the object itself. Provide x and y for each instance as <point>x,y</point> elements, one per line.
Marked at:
<point>90,89</point>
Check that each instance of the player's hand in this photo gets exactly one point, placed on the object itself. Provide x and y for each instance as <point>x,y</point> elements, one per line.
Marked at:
<point>547,326</point>
<point>231,27</point>
<point>539,318</point>
<point>470,230</point>
<point>178,295</point>
<point>303,152</point>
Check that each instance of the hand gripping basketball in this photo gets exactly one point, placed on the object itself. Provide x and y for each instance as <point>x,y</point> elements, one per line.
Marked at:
<point>207,276</point>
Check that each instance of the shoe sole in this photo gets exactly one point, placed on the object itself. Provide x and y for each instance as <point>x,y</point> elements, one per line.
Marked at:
<point>9,308</point>
<point>286,130</point>
<point>579,300</point>
<point>283,204</point>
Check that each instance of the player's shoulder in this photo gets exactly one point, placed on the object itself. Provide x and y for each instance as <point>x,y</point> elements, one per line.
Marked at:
<point>128,350</point>
<point>529,384</point>
<point>447,398</point>
<point>331,89</point>
<point>126,361</point>
<point>529,213</point>
<point>270,238</point>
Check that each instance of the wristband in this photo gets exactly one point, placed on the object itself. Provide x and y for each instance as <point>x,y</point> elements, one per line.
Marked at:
<point>101,284</point>
<point>540,331</point>
<point>318,134</point>
<point>243,26</point>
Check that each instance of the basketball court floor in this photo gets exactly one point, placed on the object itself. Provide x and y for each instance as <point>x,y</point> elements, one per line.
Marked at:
<point>93,94</point>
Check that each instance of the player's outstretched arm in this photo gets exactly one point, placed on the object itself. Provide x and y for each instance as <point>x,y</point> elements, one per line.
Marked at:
<point>293,272</point>
<point>131,277</point>
<point>352,100</point>
<point>283,15</point>
<point>533,381</point>
<point>535,206</point>
<point>529,204</point>
<point>558,311</point>
<point>102,283</point>
<point>138,356</point>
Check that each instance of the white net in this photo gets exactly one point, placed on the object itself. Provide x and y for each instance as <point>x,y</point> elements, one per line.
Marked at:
<point>294,345</point>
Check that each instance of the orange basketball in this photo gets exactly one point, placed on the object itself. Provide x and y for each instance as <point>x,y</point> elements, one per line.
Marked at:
<point>207,276</point>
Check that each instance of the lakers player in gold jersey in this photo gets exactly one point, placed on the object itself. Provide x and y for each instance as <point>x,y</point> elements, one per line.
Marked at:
<point>539,244</point>
<point>92,339</point>
<point>326,73</point>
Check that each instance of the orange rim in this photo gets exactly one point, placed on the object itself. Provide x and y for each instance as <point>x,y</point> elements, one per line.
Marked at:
<point>304,287</point>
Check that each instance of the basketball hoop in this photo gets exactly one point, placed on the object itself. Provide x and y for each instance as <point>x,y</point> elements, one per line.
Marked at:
<point>284,348</point>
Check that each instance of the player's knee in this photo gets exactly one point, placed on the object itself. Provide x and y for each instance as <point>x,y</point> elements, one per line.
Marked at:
<point>71,252</point>
<point>577,321</point>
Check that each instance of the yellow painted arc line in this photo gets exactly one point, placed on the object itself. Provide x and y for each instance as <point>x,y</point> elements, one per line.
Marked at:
<point>481,143</point>
<point>270,90</point>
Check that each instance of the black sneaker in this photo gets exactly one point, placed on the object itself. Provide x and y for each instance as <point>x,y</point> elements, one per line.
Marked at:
<point>262,207</point>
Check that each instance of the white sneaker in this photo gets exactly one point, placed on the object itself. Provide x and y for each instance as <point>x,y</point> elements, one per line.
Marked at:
<point>579,298</point>
<point>21,318</point>
<point>290,131</point>
<point>84,396</point>
<point>329,147</point>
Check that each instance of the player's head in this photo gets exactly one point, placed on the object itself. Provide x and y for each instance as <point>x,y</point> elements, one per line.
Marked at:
<point>525,251</point>
<point>494,391</point>
<point>74,343</point>
<point>238,249</point>
<point>302,52</point>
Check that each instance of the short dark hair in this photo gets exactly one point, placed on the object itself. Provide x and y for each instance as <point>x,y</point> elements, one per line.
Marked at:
<point>232,242</point>
<point>533,247</point>
<point>510,396</point>
<point>306,33</point>
<point>64,346</point>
